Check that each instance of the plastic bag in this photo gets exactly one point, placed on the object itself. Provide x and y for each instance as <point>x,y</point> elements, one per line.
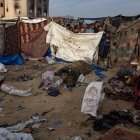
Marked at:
<point>2,68</point>
<point>92,98</point>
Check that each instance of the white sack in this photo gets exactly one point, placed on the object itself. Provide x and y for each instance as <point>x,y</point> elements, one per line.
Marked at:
<point>7,135</point>
<point>92,98</point>
<point>71,46</point>
<point>12,91</point>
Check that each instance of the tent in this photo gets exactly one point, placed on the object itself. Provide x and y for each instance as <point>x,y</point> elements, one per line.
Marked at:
<point>70,46</point>
<point>33,38</point>
<point>22,37</point>
<point>126,38</point>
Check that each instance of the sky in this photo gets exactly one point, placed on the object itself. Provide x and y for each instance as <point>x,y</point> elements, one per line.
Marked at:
<point>94,8</point>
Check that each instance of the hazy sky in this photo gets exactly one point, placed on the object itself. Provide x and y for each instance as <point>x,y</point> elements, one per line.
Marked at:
<point>94,8</point>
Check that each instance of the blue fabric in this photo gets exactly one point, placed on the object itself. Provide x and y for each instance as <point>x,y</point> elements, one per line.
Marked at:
<point>103,48</point>
<point>49,54</point>
<point>98,71</point>
<point>12,60</point>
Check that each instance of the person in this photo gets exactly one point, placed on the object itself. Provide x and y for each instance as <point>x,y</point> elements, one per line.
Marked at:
<point>90,29</point>
<point>82,30</point>
<point>101,29</point>
<point>96,27</point>
<point>76,30</point>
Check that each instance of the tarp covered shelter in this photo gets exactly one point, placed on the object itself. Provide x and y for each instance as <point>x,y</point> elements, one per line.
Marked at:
<point>33,38</point>
<point>126,38</point>
<point>28,38</point>
<point>70,46</point>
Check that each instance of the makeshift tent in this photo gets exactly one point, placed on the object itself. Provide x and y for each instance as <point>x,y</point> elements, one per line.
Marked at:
<point>11,51</point>
<point>1,40</point>
<point>33,38</point>
<point>125,39</point>
<point>70,46</point>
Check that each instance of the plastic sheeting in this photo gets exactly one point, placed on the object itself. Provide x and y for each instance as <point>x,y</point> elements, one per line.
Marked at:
<point>12,60</point>
<point>70,46</point>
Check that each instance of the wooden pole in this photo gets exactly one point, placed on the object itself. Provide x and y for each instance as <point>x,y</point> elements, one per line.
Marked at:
<point>35,8</point>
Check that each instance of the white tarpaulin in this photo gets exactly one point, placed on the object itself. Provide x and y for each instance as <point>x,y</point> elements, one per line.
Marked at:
<point>71,46</point>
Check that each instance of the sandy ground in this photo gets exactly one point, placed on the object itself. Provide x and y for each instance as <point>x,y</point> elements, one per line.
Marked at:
<point>65,116</point>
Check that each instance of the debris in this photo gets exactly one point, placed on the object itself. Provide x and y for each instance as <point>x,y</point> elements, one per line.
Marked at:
<point>21,107</point>
<point>50,85</point>
<point>2,112</point>
<point>53,91</point>
<point>2,68</point>
<point>9,135</point>
<point>71,72</point>
<point>71,138</point>
<point>24,78</point>
<point>110,120</point>
<point>51,128</point>
<point>136,117</point>
<point>47,78</point>
<point>92,98</point>
<point>50,60</point>
<point>57,123</point>
<point>117,89</point>
<point>12,91</point>
<point>35,119</point>
<point>44,113</point>
<point>119,133</point>
<point>81,79</point>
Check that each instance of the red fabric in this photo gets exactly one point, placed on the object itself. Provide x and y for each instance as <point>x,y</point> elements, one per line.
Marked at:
<point>33,39</point>
<point>11,40</point>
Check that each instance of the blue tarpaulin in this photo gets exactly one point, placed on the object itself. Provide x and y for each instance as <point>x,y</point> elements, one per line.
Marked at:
<point>98,71</point>
<point>49,54</point>
<point>12,60</point>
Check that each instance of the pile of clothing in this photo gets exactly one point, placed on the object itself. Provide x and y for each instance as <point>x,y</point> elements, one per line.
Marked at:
<point>110,120</point>
<point>119,90</point>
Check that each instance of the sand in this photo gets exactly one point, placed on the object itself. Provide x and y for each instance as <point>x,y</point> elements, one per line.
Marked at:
<point>65,107</point>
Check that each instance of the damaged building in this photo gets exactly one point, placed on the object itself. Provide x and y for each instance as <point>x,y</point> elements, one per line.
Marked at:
<point>24,8</point>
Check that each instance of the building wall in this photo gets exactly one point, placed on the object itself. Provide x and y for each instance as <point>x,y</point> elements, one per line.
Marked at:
<point>1,8</point>
<point>21,10</point>
<point>10,10</point>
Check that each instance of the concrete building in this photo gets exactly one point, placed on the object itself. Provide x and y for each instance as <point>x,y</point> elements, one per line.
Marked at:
<point>24,8</point>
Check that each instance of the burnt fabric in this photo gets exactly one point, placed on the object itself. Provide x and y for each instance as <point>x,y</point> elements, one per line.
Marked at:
<point>71,72</point>
<point>117,89</point>
<point>112,119</point>
<point>33,39</point>
<point>120,134</point>
<point>11,41</point>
